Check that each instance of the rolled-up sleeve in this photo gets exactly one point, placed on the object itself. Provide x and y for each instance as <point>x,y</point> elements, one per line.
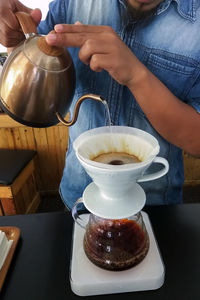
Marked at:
<point>193,97</point>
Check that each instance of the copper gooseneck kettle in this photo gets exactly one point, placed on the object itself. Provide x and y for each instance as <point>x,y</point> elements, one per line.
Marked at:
<point>37,82</point>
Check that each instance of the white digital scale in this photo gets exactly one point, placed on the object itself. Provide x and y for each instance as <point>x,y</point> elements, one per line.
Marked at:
<point>87,279</point>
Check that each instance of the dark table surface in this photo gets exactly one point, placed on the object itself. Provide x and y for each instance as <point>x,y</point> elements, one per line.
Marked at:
<point>40,266</point>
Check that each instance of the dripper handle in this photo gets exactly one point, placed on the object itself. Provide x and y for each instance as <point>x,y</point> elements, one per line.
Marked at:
<point>27,23</point>
<point>76,214</point>
<point>157,174</point>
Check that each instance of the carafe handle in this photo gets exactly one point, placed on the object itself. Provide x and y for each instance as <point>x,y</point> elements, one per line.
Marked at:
<point>157,174</point>
<point>76,214</point>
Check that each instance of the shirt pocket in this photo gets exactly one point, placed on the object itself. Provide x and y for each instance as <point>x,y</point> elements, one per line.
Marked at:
<point>174,71</point>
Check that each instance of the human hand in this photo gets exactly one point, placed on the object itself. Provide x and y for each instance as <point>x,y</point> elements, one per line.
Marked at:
<point>100,47</point>
<point>10,30</point>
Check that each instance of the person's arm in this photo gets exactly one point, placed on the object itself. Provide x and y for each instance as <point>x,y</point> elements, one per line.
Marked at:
<point>177,122</point>
<point>101,48</point>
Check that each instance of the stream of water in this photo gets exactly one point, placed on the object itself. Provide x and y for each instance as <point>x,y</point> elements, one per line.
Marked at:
<point>108,118</point>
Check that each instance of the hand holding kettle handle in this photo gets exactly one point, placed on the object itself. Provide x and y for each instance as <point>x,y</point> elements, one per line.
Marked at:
<point>27,24</point>
<point>29,29</point>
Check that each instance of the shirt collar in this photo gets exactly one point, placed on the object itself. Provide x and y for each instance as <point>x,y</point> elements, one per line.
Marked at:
<point>186,8</point>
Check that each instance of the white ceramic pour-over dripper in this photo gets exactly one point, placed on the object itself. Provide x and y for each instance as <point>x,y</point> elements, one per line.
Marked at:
<point>114,192</point>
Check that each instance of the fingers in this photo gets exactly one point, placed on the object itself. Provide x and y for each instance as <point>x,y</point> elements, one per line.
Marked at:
<point>9,37</point>
<point>9,20</point>
<point>68,40</point>
<point>77,23</point>
<point>76,35</point>
<point>20,7</point>
<point>36,14</point>
<point>93,46</point>
<point>59,38</point>
<point>71,28</point>
<point>100,47</point>
<point>108,63</point>
<point>101,62</point>
<point>10,30</point>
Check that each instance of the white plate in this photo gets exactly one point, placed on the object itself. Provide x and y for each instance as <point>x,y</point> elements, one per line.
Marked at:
<point>111,209</point>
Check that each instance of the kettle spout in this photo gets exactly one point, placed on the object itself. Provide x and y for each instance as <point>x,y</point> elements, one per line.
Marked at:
<point>77,107</point>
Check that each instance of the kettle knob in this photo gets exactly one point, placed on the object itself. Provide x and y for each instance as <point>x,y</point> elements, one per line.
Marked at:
<point>47,49</point>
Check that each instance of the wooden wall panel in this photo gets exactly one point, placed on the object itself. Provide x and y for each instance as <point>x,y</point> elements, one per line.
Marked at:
<point>192,170</point>
<point>50,144</point>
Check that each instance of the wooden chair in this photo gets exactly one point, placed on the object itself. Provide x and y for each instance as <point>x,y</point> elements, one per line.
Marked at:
<point>18,193</point>
<point>191,189</point>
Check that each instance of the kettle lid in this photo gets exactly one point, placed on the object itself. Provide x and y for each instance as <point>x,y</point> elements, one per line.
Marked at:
<point>36,49</point>
<point>42,55</point>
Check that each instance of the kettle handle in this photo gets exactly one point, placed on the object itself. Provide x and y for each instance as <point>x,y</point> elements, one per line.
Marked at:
<point>27,23</point>
<point>77,107</point>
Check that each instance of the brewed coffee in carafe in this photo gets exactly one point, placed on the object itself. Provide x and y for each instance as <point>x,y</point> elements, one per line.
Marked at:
<point>116,244</point>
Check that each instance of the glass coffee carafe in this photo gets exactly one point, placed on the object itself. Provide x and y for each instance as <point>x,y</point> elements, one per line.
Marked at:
<point>114,244</point>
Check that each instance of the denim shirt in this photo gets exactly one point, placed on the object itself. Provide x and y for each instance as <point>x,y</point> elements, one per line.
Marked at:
<point>169,46</point>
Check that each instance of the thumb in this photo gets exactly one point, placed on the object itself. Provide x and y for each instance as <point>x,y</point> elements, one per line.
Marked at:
<point>35,13</point>
<point>78,23</point>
